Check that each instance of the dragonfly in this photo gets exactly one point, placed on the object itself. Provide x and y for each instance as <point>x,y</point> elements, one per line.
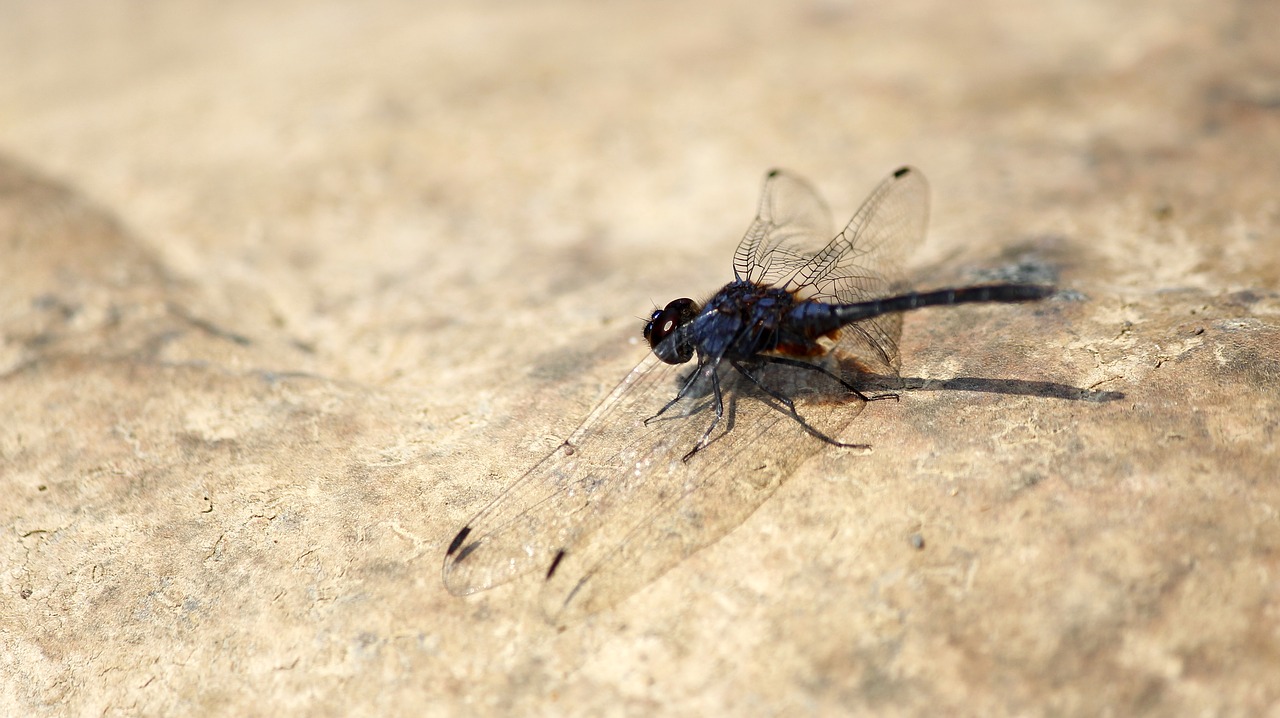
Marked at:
<point>674,458</point>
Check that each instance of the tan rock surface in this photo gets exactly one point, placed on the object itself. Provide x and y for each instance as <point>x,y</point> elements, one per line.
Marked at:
<point>289,292</point>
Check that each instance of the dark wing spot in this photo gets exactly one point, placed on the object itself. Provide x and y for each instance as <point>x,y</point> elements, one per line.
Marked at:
<point>457,540</point>
<point>901,172</point>
<point>555,563</point>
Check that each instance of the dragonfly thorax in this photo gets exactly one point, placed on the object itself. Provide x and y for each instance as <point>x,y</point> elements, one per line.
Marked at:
<point>741,320</point>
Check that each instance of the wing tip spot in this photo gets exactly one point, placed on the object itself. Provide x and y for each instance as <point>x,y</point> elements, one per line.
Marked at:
<point>555,564</point>
<point>902,171</point>
<point>457,541</point>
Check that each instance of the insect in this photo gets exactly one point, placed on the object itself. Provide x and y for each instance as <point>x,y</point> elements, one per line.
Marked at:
<point>669,462</point>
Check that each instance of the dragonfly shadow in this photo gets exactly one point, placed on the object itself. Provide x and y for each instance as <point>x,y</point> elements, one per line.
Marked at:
<point>1014,387</point>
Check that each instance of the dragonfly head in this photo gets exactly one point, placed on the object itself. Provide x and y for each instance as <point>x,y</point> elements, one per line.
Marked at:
<point>666,331</point>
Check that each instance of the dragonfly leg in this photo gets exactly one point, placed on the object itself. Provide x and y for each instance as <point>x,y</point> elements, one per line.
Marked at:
<point>787,361</point>
<point>719,402</point>
<point>693,377</point>
<point>810,366</point>
<point>791,405</point>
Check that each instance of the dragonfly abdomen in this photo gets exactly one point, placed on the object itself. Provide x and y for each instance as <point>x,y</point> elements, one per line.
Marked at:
<point>819,319</point>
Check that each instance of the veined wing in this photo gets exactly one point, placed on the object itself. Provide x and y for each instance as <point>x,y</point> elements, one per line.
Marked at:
<point>865,261</point>
<point>616,506</point>
<point>561,499</point>
<point>791,223</point>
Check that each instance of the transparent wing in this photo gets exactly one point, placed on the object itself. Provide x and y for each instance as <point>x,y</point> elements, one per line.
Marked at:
<point>564,497</point>
<point>791,224</point>
<point>865,261</point>
<point>616,506</point>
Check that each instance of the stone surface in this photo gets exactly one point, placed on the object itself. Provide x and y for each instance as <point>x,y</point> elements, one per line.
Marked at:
<point>289,292</point>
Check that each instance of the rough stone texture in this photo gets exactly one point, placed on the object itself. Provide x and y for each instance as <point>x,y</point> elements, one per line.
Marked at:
<point>288,292</point>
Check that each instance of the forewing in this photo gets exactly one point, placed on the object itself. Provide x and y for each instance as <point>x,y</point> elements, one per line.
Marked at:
<point>865,261</point>
<point>792,222</point>
<point>687,506</point>
<point>622,507</point>
<point>563,498</point>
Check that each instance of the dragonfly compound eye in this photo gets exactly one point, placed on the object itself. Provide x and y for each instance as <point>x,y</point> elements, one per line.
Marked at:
<point>662,332</point>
